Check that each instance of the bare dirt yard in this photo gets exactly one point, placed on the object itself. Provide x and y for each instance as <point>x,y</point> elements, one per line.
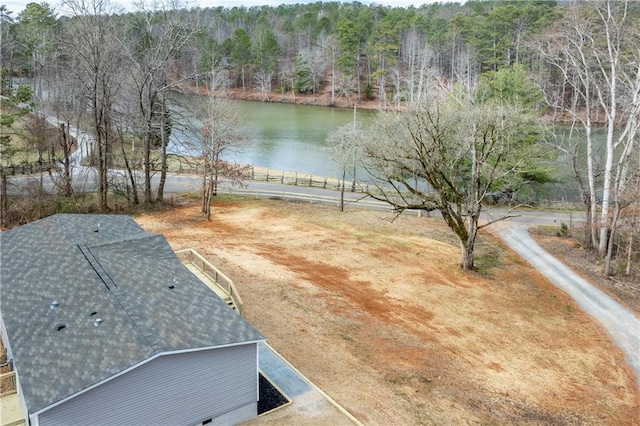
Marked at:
<point>378,315</point>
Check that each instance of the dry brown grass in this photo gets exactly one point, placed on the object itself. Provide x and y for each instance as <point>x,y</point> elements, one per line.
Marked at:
<point>379,316</point>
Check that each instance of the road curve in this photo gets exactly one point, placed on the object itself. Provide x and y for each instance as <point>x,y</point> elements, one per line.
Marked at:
<point>622,325</point>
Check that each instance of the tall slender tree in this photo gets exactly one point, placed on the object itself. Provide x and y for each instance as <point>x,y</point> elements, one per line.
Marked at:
<point>96,64</point>
<point>595,48</point>
<point>156,39</point>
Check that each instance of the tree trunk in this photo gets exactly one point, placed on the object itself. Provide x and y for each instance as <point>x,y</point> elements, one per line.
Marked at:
<point>207,195</point>
<point>605,220</point>
<point>3,201</point>
<point>593,201</point>
<point>102,160</point>
<point>129,171</point>
<point>163,149</point>
<point>66,146</point>
<point>105,169</point>
<point>630,250</point>
<point>344,175</point>
<point>205,183</point>
<point>610,240</point>
<point>466,258</point>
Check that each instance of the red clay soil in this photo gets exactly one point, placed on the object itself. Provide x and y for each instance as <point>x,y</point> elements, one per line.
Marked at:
<point>379,316</point>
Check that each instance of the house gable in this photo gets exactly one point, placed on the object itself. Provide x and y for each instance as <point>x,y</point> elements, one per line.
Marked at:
<point>172,389</point>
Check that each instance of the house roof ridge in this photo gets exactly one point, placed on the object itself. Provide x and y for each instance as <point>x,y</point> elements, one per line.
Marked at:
<point>141,236</point>
<point>129,306</point>
<point>133,311</point>
<point>104,276</point>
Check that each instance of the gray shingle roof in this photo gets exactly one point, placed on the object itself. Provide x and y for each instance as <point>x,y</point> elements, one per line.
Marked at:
<point>120,274</point>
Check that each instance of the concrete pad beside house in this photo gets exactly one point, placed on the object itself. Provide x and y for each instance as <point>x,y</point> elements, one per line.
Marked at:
<point>310,406</point>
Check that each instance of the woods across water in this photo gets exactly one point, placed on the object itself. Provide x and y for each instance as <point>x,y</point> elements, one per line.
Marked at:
<point>478,84</point>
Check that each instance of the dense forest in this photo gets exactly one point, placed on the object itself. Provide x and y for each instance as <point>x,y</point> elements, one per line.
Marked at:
<point>352,50</point>
<point>112,72</point>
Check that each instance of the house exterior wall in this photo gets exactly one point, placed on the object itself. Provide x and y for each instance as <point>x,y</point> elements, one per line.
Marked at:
<point>5,339</point>
<point>174,389</point>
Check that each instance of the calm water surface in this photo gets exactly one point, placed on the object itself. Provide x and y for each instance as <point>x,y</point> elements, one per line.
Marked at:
<point>294,138</point>
<point>291,137</point>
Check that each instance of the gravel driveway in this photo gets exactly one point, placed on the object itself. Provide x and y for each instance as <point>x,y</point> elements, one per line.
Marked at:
<point>622,325</point>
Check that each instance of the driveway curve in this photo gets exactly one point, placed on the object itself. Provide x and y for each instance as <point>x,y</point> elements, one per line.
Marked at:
<point>622,325</point>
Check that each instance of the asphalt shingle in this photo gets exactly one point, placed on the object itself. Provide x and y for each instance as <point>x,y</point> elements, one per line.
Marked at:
<point>127,287</point>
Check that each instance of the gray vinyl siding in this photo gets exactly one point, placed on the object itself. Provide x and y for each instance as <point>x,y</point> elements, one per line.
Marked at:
<point>176,389</point>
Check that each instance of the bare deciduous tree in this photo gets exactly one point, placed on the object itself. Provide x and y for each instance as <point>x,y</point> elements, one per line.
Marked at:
<point>220,134</point>
<point>345,142</point>
<point>96,65</point>
<point>452,158</point>
<point>159,34</point>
<point>595,47</point>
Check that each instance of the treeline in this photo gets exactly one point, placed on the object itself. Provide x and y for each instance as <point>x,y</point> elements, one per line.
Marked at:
<point>349,50</point>
<point>98,68</point>
<point>368,52</point>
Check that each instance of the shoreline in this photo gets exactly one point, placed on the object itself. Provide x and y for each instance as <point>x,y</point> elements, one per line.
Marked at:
<point>322,99</point>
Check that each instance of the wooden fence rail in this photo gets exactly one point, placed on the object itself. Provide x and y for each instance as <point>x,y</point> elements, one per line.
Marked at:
<point>362,202</point>
<point>27,168</point>
<point>213,273</point>
<point>8,383</point>
<point>304,179</point>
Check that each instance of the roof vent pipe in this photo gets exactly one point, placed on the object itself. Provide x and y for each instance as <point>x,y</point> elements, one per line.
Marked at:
<point>97,322</point>
<point>54,304</point>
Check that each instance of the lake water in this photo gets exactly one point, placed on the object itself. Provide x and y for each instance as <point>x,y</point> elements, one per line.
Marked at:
<point>288,137</point>
<point>294,138</point>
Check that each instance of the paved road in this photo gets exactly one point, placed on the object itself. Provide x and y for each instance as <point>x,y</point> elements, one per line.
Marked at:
<point>622,325</point>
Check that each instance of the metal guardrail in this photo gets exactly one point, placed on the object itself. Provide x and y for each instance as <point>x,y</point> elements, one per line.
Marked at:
<point>220,279</point>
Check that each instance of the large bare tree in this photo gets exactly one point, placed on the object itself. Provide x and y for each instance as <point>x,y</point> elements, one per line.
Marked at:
<point>453,157</point>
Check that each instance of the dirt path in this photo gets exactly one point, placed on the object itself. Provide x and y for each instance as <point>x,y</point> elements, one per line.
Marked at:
<point>622,325</point>
<point>377,314</point>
